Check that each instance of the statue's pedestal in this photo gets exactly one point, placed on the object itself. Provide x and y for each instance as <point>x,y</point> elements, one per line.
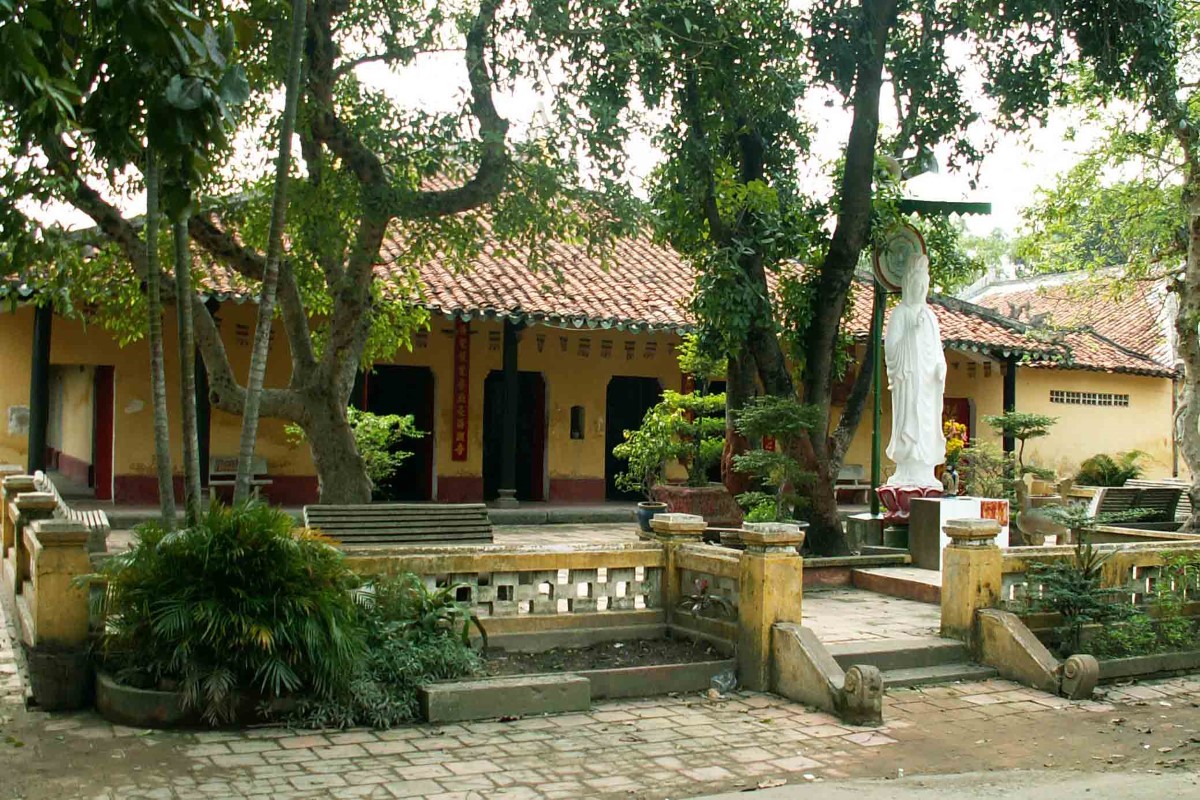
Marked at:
<point>896,500</point>
<point>927,538</point>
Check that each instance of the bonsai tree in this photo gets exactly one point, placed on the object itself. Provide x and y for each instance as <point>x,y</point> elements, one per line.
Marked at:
<point>687,428</point>
<point>1023,426</point>
<point>1104,470</point>
<point>786,421</point>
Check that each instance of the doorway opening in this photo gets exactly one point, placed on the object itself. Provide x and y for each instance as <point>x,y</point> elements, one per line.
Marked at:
<point>403,390</point>
<point>626,403</point>
<point>531,435</point>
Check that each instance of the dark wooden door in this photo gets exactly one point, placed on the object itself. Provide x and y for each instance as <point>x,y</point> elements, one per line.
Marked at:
<point>531,435</point>
<point>102,433</point>
<point>626,403</point>
<point>391,389</point>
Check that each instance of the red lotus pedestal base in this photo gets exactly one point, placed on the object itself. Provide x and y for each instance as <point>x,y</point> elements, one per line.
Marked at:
<point>896,499</point>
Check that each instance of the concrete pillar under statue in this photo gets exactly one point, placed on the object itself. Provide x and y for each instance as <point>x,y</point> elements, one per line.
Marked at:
<point>928,517</point>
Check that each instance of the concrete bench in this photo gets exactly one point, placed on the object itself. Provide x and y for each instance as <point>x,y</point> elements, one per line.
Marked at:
<point>852,479</point>
<point>222,472</point>
<point>378,524</point>
<point>95,520</point>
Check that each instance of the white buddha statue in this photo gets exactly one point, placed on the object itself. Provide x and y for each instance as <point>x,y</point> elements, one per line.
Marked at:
<point>916,369</point>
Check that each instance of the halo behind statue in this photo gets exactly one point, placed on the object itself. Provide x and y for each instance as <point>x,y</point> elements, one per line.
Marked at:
<point>899,249</point>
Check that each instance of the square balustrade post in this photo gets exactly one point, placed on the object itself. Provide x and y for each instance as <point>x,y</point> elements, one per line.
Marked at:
<point>971,575</point>
<point>770,585</point>
<point>27,508</point>
<point>59,607</point>
<point>673,530</point>
<point>10,486</point>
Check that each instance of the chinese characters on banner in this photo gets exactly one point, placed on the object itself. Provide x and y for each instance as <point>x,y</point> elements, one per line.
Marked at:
<point>462,389</point>
<point>769,443</point>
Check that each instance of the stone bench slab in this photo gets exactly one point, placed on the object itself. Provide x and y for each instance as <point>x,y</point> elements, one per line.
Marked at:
<point>515,696</point>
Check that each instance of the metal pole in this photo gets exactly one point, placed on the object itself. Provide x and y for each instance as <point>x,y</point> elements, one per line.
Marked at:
<point>877,394</point>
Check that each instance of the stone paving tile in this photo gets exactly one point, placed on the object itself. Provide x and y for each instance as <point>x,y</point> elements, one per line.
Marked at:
<point>844,614</point>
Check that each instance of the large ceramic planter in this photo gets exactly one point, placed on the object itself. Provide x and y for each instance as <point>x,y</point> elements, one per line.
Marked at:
<point>646,511</point>
<point>713,502</point>
<point>60,679</point>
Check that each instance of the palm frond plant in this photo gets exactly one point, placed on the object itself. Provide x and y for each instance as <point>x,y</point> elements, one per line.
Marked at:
<point>240,606</point>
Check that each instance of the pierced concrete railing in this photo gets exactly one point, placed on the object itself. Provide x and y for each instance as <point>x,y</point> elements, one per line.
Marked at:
<point>540,597</point>
<point>1136,567</point>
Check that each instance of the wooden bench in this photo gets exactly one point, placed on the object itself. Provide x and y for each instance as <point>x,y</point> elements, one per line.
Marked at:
<point>96,521</point>
<point>377,524</point>
<point>1183,511</point>
<point>1162,502</point>
<point>222,472</point>
<point>852,479</point>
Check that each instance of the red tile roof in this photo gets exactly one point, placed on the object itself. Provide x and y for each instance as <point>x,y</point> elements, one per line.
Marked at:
<point>1132,321</point>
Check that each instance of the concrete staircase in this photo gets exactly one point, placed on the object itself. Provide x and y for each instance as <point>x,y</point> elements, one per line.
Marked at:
<point>913,662</point>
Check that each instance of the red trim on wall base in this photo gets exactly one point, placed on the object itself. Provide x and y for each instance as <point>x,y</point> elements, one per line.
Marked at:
<point>577,490</point>
<point>285,490</point>
<point>460,489</point>
<point>74,468</point>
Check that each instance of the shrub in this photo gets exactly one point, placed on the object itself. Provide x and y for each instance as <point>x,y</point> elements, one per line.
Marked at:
<point>240,604</point>
<point>785,420</point>
<point>1104,470</point>
<point>413,635</point>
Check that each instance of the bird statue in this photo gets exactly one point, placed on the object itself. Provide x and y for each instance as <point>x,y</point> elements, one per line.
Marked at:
<point>1035,524</point>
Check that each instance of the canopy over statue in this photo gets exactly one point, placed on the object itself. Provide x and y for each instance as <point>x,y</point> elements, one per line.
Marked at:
<point>916,371</point>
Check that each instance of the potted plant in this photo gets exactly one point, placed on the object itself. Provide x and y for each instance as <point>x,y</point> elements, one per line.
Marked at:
<point>782,421</point>
<point>1024,426</point>
<point>646,451</point>
<point>687,429</point>
<point>956,439</point>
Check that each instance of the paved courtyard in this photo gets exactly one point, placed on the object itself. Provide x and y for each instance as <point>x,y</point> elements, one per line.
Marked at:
<point>845,614</point>
<point>669,747</point>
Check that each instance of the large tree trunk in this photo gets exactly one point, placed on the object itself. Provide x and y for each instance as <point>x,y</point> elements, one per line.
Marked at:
<point>341,471</point>
<point>739,389</point>
<point>187,373</point>
<point>270,278</point>
<point>1187,320</point>
<point>158,373</point>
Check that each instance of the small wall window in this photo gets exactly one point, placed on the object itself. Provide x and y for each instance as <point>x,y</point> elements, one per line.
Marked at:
<point>1089,398</point>
<point>576,422</point>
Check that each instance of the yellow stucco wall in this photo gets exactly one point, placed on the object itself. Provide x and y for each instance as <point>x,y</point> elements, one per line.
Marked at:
<point>1085,430</point>
<point>77,382</point>
<point>576,366</point>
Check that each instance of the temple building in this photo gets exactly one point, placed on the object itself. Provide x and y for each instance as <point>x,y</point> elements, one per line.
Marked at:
<point>589,350</point>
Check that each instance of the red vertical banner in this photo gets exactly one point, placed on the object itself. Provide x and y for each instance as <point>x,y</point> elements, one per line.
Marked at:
<point>769,443</point>
<point>462,390</point>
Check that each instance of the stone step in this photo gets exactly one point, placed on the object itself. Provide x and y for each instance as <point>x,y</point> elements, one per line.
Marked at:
<point>909,583</point>
<point>942,673</point>
<point>900,654</point>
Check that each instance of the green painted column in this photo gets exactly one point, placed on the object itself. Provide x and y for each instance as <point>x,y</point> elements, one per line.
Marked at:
<point>877,394</point>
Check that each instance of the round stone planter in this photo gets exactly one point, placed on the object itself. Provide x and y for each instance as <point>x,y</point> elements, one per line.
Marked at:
<point>60,679</point>
<point>141,708</point>
<point>713,502</point>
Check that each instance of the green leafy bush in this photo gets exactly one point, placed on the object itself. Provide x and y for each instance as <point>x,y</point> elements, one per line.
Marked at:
<point>1023,426</point>
<point>413,635</point>
<point>785,420</point>
<point>1104,470</point>
<point>241,605</point>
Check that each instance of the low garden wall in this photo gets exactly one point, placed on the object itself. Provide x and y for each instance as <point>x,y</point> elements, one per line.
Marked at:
<point>1000,601</point>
